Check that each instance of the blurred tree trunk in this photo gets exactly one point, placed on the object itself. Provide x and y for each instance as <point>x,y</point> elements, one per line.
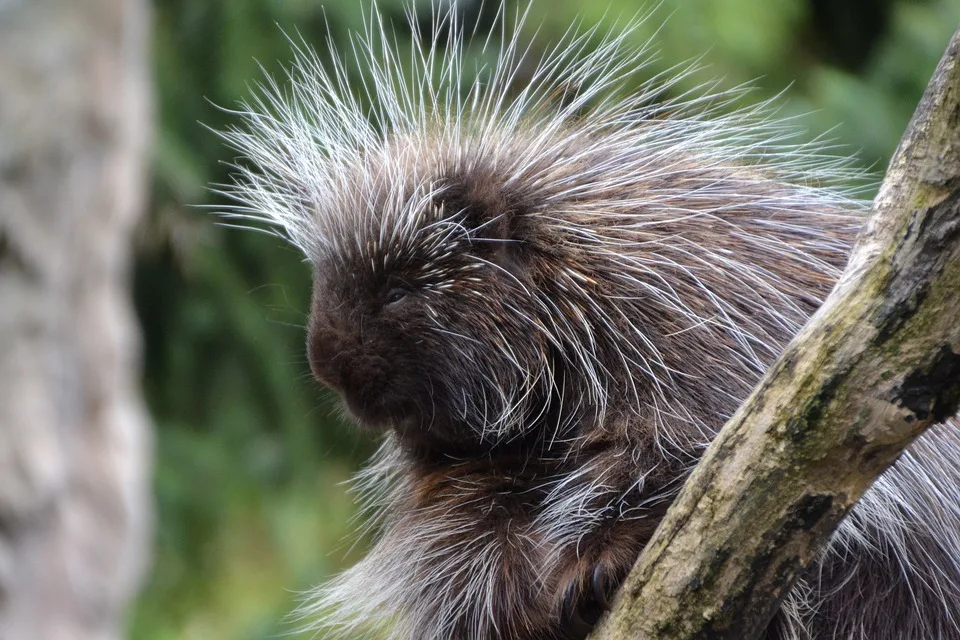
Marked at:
<point>74,439</point>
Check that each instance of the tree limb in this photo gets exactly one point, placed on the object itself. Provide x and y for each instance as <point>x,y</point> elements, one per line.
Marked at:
<point>875,367</point>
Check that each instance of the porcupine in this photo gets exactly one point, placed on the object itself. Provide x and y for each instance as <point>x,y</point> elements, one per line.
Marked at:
<point>550,295</point>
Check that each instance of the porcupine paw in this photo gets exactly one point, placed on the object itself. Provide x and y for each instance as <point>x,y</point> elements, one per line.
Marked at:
<point>585,600</point>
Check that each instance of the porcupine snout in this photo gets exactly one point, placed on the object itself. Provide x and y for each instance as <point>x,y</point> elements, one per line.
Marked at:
<point>341,360</point>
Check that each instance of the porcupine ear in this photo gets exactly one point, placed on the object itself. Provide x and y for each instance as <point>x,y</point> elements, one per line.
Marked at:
<point>492,219</point>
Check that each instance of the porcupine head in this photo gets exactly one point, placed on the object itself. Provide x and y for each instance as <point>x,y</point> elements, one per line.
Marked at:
<point>541,280</point>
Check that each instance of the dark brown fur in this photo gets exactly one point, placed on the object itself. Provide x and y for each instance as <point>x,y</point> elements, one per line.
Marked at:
<point>549,316</point>
<point>381,355</point>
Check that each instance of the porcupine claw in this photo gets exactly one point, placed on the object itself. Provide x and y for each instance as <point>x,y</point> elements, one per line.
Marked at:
<point>576,620</point>
<point>581,609</point>
<point>603,587</point>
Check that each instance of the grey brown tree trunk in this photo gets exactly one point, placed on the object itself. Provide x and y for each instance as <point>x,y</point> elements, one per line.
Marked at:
<point>74,438</point>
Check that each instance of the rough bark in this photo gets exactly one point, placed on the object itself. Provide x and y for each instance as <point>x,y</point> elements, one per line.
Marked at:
<point>74,472</point>
<point>877,365</point>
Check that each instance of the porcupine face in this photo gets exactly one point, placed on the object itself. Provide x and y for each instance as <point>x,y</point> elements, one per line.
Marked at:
<point>403,329</point>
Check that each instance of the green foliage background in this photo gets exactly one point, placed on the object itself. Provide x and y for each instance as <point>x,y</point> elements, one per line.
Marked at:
<point>250,455</point>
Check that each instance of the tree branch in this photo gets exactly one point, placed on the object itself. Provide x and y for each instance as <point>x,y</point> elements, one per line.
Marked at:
<point>875,367</point>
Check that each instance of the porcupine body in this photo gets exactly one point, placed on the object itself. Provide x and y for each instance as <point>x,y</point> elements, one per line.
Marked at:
<point>550,293</point>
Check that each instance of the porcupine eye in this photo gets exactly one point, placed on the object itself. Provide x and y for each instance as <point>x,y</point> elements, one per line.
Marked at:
<point>395,295</point>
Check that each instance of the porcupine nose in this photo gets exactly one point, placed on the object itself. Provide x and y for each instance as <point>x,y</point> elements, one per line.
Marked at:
<point>338,360</point>
<point>330,349</point>
<point>322,347</point>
